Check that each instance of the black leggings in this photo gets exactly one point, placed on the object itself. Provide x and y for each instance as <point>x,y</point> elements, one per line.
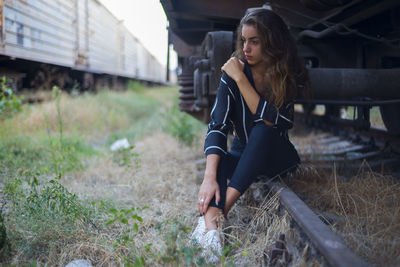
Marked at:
<point>267,153</point>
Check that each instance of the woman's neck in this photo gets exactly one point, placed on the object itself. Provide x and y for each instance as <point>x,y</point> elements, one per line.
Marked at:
<point>259,69</point>
<point>261,80</point>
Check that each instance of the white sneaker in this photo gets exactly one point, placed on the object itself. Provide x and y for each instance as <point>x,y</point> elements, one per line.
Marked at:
<point>212,247</point>
<point>198,233</point>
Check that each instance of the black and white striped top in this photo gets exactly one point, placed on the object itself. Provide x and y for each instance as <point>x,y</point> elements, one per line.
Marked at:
<point>230,112</point>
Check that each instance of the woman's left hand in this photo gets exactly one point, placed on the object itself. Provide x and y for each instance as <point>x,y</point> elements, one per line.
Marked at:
<point>234,68</point>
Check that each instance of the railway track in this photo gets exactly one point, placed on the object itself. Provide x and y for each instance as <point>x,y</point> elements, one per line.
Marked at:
<point>325,241</point>
<point>338,145</point>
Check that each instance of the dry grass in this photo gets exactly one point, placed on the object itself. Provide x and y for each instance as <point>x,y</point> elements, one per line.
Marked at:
<point>163,164</point>
<point>164,180</point>
<point>92,117</point>
<point>367,206</point>
<point>256,226</point>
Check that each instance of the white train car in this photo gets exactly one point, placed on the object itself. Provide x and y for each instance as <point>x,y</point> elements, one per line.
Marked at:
<point>45,42</point>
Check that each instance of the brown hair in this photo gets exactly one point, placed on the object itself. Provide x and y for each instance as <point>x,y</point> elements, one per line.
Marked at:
<point>287,71</point>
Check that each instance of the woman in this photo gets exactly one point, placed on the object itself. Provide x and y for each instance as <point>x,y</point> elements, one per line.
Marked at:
<point>255,99</point>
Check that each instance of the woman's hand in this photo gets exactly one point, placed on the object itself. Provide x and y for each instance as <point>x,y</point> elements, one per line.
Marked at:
<point>208,189</point>
<point>234,68</point>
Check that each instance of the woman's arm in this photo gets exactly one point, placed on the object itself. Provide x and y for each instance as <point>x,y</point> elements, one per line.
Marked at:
<point>234,68</point>
<point>209,187</point>
<point>220,125</point>
<point>215,145</point>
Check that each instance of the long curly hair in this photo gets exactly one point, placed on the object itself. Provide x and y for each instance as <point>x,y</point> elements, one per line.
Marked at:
<point>288,76</point>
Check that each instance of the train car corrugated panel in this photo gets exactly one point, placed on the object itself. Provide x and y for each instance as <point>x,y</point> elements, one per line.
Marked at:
<point>121,48</point>
<point>150,66</point>
<point>103,41</point>
<point>81,33</point>
<point>39,30</point>
<point>130,54</point>
<point>162,70</point>
<point>141,62</point>
<point>155,69</point>
<point>159,72</point>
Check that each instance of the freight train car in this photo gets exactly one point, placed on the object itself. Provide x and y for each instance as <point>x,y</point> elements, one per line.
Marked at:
<point>70,43</point>
<point>351,48</point>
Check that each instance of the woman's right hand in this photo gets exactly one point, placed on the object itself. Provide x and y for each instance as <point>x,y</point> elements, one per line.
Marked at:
<point>208,189</point>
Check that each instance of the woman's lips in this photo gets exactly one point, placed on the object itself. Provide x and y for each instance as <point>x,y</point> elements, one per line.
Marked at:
<point>248,57</point>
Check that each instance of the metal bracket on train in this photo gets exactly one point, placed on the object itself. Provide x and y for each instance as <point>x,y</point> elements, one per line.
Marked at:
<point>361,118</point>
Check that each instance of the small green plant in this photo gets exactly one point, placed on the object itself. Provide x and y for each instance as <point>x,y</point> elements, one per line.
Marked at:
<point>39,214</point>
<point>128,218</point>
<point>136,86</point>
<point>125,157</point>
<point>49,200</point>
<point>9,102</point>
<point>64,151</point>
<point>56,92</point>
<point>177,250</point>
<point>182,126</point>
<point>3,231</point>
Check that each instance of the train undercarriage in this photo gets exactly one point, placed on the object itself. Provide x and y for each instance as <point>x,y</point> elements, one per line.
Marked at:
<point>351,50</point>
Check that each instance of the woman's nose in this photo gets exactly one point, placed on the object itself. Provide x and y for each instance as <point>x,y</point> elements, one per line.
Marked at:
<point>246,47</point>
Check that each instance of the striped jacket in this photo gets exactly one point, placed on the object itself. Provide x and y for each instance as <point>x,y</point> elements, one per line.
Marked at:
<point>230,112</point>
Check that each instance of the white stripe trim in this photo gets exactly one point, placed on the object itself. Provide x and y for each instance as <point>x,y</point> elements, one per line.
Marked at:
<point>244,120</point>
<point>277,116</point>
<point>227,110</point>
<point>229,88</point>
<point>231,93</point>
<point>285,118</point>
<point>215,131</point>
<point>214,147</point>
<point>262,111</point>
<point>215,104</point>
<point>258,120</point>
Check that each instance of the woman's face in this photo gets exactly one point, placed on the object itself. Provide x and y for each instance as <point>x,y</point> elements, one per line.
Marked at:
<point>251,45</point>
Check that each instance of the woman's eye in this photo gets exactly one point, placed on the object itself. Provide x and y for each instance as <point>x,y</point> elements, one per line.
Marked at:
<point>255,42</point>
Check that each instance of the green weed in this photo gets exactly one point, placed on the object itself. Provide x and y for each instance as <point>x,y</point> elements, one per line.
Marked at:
<point>9,102</point>
<point>182,126</point>
<point>125,157</point>
<point>136,86</point>
<point>51,155</point>
<point>128,218</point>
<point>40,215</point>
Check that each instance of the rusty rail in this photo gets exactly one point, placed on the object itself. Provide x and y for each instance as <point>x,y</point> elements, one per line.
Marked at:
<point>328,243</point>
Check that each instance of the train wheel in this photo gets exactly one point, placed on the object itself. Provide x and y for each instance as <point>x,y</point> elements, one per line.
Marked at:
<point>390,116</point>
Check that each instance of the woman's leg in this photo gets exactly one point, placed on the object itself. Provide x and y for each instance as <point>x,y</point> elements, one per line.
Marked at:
<point>225,170</point>
<point>266,153</point>
<point>231,196</point>
<point>213,213</point>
